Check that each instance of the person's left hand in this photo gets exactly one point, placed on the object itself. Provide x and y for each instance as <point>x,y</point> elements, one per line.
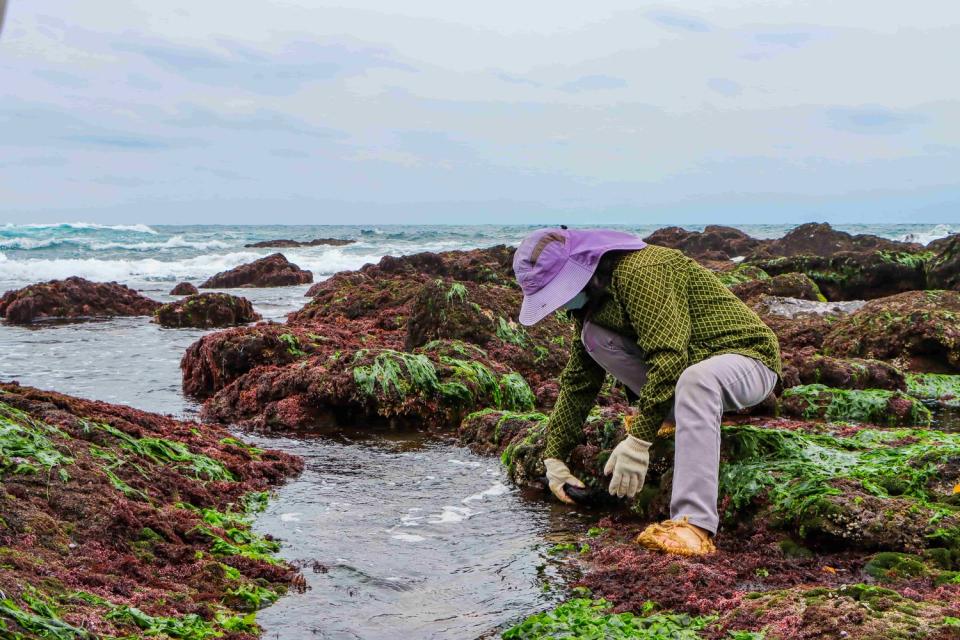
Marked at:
<point>628,463</point>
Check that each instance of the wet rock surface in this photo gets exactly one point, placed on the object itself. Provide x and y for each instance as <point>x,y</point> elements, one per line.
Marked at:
<point>184,289</point>
<point>118,522</point>
<point>715,242</point>
<point>207,310</point>
<point>73,298</point>
<point>820,239</point>
<point>272,271</point>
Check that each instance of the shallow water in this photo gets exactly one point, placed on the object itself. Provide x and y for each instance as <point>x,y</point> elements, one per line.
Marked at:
<point>400,535</point>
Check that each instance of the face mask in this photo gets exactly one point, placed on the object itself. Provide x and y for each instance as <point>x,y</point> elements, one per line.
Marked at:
<point>577,302</point>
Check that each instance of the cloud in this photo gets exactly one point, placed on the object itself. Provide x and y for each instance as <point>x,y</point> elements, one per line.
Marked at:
<point>118,142</point>
<point>597,82</point>
<point>679,22</point>
<point>725,87</point>
<point>787,39</point>
<point>871,120</point>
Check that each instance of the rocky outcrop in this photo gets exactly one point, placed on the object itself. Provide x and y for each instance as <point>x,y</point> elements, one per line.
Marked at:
<point>207,310</point>
<point>918,330</point>
<point>184,289</point>
<point>273,271</point>
<point>73,298</point>
<point>943,269</point>
<point>116,521</point>
<point>431,387</point>
<point>787,285</point>
<point>290,244</point>
<point>855,275</point>
<point>715,242</point>
<point>820,239</point>
<point>806,366</point>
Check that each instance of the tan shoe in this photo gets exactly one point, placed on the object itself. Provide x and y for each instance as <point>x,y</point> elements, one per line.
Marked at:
<point>677,537</point>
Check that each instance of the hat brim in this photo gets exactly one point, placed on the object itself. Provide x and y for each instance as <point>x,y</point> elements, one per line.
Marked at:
<point>569,281</point>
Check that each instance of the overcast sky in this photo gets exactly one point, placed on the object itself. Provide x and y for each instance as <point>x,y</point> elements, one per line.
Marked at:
<point>372,111</point>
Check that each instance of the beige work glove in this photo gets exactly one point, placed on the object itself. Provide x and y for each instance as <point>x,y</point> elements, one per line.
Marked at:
<point>557,475</point>
<point>628,463</point>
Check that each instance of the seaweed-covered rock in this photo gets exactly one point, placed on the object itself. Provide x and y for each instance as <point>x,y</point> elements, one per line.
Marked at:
<point>73,298</point>
<point>290,244</point>
<point>878,406</point>
<point>820,239</point>
<point>207,310</point>
<point>184,289</point>
<point>219,358</point>
<point>943,269</point>
<point>916,330</point>
<point>482,314</point>
<point>491,265</point>
<point>273,271</point>
<point>432,387</point>
<point>808,367</point>
<point>116,521</point>
<point>785,285</point>
<point>714,242</point>
<point>869,488</point>
<point>848,275</point>
<point>939,389</point>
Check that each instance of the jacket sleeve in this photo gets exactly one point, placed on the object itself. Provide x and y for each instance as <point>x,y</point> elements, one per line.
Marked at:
<point>655,300</point>
<point>580,383</point>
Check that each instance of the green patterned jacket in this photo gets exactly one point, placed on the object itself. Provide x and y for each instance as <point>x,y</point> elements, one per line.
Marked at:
<point>679,313</point>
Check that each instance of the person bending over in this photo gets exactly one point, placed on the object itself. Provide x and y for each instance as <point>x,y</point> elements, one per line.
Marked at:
<point>684,346</point>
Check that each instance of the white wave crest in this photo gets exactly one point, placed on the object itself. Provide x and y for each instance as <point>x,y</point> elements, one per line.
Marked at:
<point>176,242</point>
<point>137,228</point>
<point>150,269</point>
<point>926,237</point>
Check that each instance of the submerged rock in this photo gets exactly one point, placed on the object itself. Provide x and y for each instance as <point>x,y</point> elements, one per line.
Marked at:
<point>919,330</point>
<point>207,310</point>
<point>73,298</point>
<point>184,289</point>
<point>273,271</point>
<point>116,521</point>
<point>288,244</point>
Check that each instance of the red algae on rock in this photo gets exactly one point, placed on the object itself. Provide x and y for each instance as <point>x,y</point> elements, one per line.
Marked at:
<point>273,271</point>
<point>108,510</point>
<point>73,298</point>
<point>207,310</point>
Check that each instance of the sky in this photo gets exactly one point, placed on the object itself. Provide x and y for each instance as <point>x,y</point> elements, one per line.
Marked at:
<point>432,111</point>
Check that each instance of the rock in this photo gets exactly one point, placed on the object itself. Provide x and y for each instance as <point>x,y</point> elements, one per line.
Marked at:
<point>715,242</point>
<point>856,487</point>
<point>289,244</point>
<point>820,239</point>
<point>73,298</point>
<point>207,310</point>
<point>787,285</point>
<point>876,406</point>
<point>855,275</point>
<point>106,507</point>
<point>917,330</point>
<point>184,289</point>
<point>433,387</point>
<point>273,271</point>
<point>842,373</point>
<point>491,265</point>
<point>943,269</point>
<point>219,358</point>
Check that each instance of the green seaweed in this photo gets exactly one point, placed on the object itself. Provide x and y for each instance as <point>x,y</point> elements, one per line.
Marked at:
<point>940,388</point>
<point>25,444</point>
<point>853,405</point>
<point>511,332</point>
<point>587,619</point>
<point>292,344</point>
<point>456,291</point>
<point>742,273</point>
<point>42,619</point>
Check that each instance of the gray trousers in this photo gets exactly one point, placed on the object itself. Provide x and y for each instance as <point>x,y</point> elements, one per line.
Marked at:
<point>704,391</point>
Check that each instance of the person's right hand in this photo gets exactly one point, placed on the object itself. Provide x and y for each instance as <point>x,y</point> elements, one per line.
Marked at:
<point>558,475</point>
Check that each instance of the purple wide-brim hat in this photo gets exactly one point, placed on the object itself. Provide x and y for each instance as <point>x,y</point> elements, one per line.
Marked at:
<point>554,265</point>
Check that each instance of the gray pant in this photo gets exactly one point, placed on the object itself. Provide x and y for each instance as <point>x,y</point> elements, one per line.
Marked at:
<point>704,391</point>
